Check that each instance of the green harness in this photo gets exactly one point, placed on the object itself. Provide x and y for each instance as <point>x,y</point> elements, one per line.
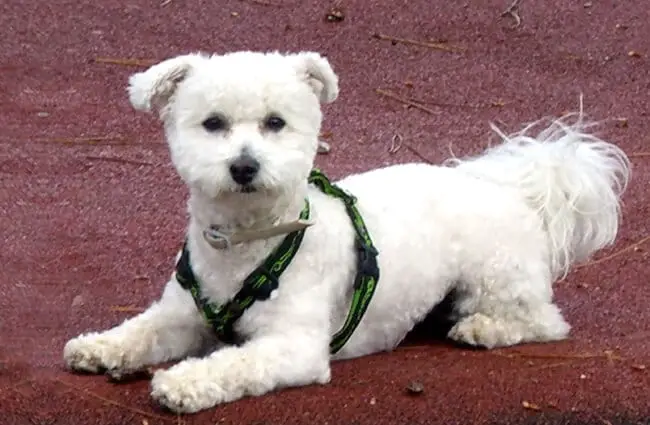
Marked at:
<point>259,285</point>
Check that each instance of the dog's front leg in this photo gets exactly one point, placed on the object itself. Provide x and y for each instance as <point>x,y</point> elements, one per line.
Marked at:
<point>295,358</point>
<point>169,329</point>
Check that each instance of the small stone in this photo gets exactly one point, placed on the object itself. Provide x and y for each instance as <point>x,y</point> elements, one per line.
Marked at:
<point>583,376</point>
<point>415,388</point>
<point>43,114</point>
<point>373,401</point>
<point>323,147</point>
<point>588,4</point>
<point>234,14</point>
<point>634,54</point>
<point>78,300</point>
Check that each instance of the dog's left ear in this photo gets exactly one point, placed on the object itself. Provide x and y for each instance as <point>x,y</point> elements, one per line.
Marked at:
<point>319,75</point>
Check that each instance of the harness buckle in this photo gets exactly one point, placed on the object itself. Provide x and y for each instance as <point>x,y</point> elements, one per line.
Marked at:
<point>366,261</point>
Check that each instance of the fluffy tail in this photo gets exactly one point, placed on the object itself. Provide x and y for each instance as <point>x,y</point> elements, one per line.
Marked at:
<point>573,179</point>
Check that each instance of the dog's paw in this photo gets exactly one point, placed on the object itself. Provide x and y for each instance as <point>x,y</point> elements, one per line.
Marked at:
<point>185,388</point>
<point>93,353</point>
<point>479,330</point>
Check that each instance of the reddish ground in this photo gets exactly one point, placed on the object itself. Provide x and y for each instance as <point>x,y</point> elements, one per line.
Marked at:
<point>92,212</point>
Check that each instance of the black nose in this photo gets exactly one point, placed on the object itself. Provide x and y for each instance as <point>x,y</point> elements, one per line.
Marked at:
<point>244,169</point>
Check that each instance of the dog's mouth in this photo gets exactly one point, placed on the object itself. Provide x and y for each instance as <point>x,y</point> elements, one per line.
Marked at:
<point>247,188</point>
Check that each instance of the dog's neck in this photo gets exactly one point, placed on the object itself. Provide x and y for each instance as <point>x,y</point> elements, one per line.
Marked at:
<point>239,212</point>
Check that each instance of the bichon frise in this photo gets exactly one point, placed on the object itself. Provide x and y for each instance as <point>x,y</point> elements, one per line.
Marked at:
<point>282,271</point>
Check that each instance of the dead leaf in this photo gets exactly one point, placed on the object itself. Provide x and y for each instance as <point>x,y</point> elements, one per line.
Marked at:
<point>326,135</point>
<point>335,15</point>
<point>530,406</point>
<point>621,122</point>
<point>126,309</point>
<point>395,144</point>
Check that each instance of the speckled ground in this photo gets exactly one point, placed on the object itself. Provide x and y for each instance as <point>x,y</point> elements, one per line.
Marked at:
<point>92,212</point>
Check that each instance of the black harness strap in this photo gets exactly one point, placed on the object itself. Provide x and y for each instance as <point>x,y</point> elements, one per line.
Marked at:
<point>367,276</point>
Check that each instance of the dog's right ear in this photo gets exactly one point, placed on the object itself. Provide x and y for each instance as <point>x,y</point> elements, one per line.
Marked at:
<point>319,74</point>
<point>152,89</point>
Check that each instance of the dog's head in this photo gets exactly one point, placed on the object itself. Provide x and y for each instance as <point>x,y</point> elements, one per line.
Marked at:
<point>243,123</point>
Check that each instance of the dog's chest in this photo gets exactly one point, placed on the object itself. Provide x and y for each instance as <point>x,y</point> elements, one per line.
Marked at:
<point>221,273</point>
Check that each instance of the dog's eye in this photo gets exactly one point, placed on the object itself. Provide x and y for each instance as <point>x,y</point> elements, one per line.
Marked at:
<point>214,124</point>
<point>274,123</point>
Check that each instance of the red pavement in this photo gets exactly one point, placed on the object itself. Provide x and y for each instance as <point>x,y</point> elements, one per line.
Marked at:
<point>92,212</point>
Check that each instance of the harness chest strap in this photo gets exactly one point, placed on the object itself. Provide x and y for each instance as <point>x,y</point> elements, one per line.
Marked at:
<point>265,278</point>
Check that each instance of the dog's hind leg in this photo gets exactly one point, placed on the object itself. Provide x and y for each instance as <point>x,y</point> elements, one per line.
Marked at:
<point>507,305</point>
<point>169,329</point>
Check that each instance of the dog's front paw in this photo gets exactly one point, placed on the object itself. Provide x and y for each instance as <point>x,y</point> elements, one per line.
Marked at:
<point>186,388</point>
<point>94,353</point>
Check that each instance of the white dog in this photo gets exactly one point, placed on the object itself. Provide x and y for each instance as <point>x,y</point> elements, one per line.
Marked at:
<point>497,229</point>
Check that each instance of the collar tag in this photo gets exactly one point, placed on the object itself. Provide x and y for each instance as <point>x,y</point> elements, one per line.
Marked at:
<point>221,240</point>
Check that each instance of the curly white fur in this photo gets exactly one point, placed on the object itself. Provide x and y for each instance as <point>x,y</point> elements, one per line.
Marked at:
<point>497,229</point>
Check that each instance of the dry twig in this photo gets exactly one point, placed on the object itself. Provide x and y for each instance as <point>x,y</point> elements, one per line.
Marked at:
<point>438,46</point>
<point>77,140</point>
<point>628,248</point>
<point>606,355</point>
<point>265,3</point>
<point>405,101</point>
<point>639,154</point>
<point>125,61</point>
<point>551,365</point>
<point>116,159</point>
<point>112,402</point>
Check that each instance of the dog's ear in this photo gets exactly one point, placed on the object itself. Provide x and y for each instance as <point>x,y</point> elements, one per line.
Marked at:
<point>319,74</point>
<point>152,89</point>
